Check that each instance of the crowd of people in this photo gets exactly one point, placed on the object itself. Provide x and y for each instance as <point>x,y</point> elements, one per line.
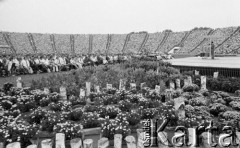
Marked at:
<point>30,64</point>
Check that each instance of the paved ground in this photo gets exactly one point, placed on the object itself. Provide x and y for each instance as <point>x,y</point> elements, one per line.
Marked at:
<point>221,62</point>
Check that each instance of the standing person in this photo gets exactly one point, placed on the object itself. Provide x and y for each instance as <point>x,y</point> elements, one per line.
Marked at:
<point>9,65</point>
<point>212,50</point>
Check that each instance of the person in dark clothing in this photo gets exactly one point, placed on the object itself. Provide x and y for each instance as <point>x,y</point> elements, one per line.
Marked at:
<point>99,61</point>
<point>212,50</point>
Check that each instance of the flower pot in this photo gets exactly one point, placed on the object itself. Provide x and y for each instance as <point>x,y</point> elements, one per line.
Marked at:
<point>111,142</point>
<point>134,128</point>
<point>91,131</point>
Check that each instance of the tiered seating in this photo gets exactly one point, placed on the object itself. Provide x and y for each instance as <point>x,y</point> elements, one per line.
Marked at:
<point>232,45</point>
<point>62,42</point>
<point>43,43</point>
<point>153,41</point>
<point>81,43</point>
<point>135,42</point>
<point>219,35</point>
<point>4,50</point>
<point>194,39</point>
<point>21,43</point>
<point>99,43</point>
<point>173,39</point>
<point>117,43</point>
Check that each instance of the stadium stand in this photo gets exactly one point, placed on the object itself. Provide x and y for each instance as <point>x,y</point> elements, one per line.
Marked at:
<point>134,42</point>
<point>220,34</point>
<point>21,43</point>
<point>117,43</point>
<point>196,36</point>
<point>81,43</point>
<point>4,48</point>
<point>62,43</point>
<point>153,41</point>
<point>109,40</point>
<point>99,43</point>
<point>232,45</point>
<point>160,45</point>
<point>193,42</point>
<point>173,40</point>
<point>141,48</point>
<point>43,43</point>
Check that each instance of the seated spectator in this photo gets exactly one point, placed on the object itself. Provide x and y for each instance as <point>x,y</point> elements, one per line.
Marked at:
<point>105,61</point>
<point>53,65</point>
<point>99,60</point>
<point>33,65</point>
<point>87,61</point>
<point>42,65</point>
<point>72,64</point>
<point>27,66</point>
<point>62,63</point>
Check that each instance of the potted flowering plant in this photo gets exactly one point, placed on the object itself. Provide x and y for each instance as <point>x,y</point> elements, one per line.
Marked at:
<point>76,114</point>
<point>49,122</point>
<point>54,97</point>
<point>112,111</point>
<point>6,104</point>
<point>56,106</point>
<point>18,132</point>
<point>37,115</point>
<point>110,127</point>
<point>125,106</point>
<point>44,101</point>
<point>71,130</point>
<point>167,111</point>
<point>133,119</point>
<point>91,120</point>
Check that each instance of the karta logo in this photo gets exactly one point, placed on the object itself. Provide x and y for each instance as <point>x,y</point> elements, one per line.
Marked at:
<point>188,136</point>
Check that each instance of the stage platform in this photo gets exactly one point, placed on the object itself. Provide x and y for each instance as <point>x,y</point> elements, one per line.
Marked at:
<point>227,66</point>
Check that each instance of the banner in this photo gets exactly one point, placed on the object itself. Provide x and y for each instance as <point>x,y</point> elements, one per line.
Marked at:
<point>142,85</point>
<point>178,83</point>
<point>186,82</point>
<point>88,88</point>
<point>157,88</point>
<point>97,88</point>
<point>189,80</point>
<point>215,75</point>
<point>172,85</point>
<point>133,86</point>
<point>203,82</point>
<point>122,85</point>
<point>46,90</point>
<point>109,86</point>
<point>196,73</point>
<point>82,93</point>
<point>63,92</point>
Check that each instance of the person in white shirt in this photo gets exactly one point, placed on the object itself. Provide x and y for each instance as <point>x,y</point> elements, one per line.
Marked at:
<point>53,65</point>
<point>23,66</point>
<point>9,65</point>
<point>72,64</point>
<point>79,61</point>
<point>29,68</point>
<point>37,60</point>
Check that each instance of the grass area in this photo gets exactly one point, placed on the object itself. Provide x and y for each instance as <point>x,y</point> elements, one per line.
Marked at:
<point>25,78</point>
